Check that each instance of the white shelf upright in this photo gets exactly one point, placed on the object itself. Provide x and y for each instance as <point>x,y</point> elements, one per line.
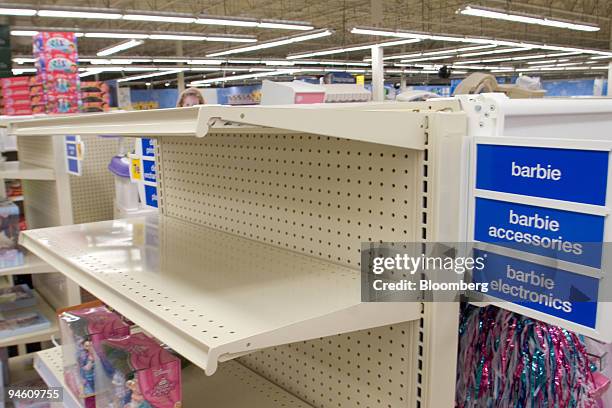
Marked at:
<point>256,254</point>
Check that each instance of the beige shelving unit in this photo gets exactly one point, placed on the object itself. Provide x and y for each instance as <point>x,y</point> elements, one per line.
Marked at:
<point>260,206</point>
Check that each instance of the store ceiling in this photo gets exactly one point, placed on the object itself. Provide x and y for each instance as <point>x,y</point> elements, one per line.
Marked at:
<point>437,16</point>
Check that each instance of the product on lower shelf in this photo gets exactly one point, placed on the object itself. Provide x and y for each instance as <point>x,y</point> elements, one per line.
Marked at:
<point>138,373</point>
<point>16,297</point>
<point>83,329</point>
<point>17,323</point>
<point>10,255</point>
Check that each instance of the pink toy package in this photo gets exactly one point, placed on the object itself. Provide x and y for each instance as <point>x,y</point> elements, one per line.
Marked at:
<point>83,331</point>
<point>15,92</point>
<point>14,81</point>
<point>138,373</point>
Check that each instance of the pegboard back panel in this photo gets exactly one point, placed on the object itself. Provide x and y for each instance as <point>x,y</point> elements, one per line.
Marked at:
<point>320,196</point>
<point>92,193</point>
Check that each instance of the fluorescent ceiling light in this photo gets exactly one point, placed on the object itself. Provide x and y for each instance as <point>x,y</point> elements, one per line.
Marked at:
<point>177,60</point>
<point>244,76</point>
<point>226,22</point>
<point>24,33</point>
<point>351,49</point>
<point>119,47</point>
<point>136,77</point>
<point>16,11</point>
<point>19,71</point>
<point>275,43</point>
<point>159,18</point>
<point>523,18</point>
<point>427,59</point>
<point>205,62</point>
<point>21,60</point>
<point>177,37</point>
<point>284,26</point>
<point>437,52</point>
<point>78,14</point>
<point>500,51</point>
<point>116,35</point>
<point>231,39</point>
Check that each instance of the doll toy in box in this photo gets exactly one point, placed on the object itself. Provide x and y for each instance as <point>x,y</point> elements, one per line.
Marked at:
<point>139,373</point>
<point>10,255</point>
<point>83,329</point>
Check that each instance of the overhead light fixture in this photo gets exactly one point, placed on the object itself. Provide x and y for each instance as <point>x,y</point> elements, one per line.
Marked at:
<point>137,15</point>
<point>6,11</point>
<point>140,35</point>
<point>23,33</point>
<point>475,40</point>
<point>119,47</point>
<point>155,74</point>
<point>341,50</point>
<point>284,26</point>
<point>78,14</point>
<point>436,52</point>
<point>159,18</point>
<point>274,43</point>
<point>135,36</point>
<point>491,52</point>
<point>19,71</point>
<point>478,11</point>
<point>244,76</point>
<point>24,60</point>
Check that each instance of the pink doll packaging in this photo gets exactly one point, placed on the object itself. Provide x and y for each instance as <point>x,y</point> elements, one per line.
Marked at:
<point>15,92</point>
<point>139,373</point>
<point>82,331</point>
<point>14,81</point>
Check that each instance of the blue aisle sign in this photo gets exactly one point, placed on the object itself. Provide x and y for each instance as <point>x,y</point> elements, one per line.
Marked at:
<point>579,176</point>
<point>567,230</point>
<point>556,292</point>
<point>74,154</point>
<point>564,235</point>
<point>148,147</point>
<point>149,173</point>
<point>150,196</point>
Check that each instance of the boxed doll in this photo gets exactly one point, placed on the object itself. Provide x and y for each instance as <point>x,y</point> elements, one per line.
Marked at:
<point>138,373</point>
<point>83,331</point>
<point>9,225</point>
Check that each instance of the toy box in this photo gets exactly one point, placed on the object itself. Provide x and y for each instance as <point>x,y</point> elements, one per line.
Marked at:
<point>15,91</point>
<point>138,372</point>
<point>9,225</point>
<point>16,297</point>
<point>16,102</point>
<point>83,331</point>
<point>16,111</point>
<point>14,81</point>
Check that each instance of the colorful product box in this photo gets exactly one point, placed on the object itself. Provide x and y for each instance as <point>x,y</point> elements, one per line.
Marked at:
<point>138,373</point>
<point>18,81</point>
<point>15,92</point>
<point>9,226</point>
<point>83,331</point>
<point>16,102</point>
<point>13,111</point>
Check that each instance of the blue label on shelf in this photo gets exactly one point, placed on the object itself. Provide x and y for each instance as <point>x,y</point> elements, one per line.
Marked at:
<point>71,150</point>
<point>579,176</point>
<point>148,147</point>
<point>149,173</point>
<point>71,138</point>
<point>559,234</point>
<point>150,195</point>
<point>74,167</point>
<point>556,292</point>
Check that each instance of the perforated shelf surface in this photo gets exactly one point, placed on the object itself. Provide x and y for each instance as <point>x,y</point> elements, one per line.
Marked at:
<point>233,386</point>
<point>210,295</point>
<point>25,171</point>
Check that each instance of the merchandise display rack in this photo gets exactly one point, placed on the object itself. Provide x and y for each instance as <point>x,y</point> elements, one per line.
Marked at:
<point>271,286</point>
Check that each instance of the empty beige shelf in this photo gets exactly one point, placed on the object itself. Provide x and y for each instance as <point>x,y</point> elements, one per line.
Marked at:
<point>210,295</point>
<point>25,171</point>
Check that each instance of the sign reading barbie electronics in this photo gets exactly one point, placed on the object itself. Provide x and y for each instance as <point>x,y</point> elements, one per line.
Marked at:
<point>539,218</point>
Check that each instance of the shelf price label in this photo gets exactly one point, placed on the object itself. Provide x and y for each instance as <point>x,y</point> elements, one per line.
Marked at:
<point>539,216</point>
<point>74,154</point>
<point>144,171</point>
